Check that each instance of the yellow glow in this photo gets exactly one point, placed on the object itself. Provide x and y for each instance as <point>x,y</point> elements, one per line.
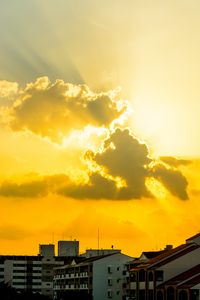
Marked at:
<point>89,138</point>
<point>156,188</point>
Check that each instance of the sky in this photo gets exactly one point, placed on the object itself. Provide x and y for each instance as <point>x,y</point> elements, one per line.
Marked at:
<point>99,123</point>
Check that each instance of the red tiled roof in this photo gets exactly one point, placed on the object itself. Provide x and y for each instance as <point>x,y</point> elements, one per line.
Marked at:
<point>172,254</point>
<point>185,276</point>
<point>193,237</point>
<point>139,265</point>
<point>190,283</point>
<point>153,254</point>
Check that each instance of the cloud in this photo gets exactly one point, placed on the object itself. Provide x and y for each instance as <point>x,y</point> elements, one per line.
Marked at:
<point>53,110</point>
<point>125,157</point>
<point>8,89</point>
<point>175,162</point>
<point>120,166</point>
<point>23,190</point>
<point>172,179</point>
<point>38,186</point>
<point>98,187</point>
<point>117,172</point>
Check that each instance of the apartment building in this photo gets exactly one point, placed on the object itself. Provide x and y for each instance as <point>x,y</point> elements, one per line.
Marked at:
<point>172,275</point>
<point>97,278</point>
<point>22,272</point>
<point>32,273</point>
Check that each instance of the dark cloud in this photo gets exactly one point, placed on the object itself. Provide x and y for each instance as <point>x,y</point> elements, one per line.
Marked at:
<point>23,190</point>
<point>123,159</point>
<point>54,110</point>
<point>175,162</point>
<point>97,188</point>
<point>172,179</point>
<point>37,187</point>
<point>124,156</point>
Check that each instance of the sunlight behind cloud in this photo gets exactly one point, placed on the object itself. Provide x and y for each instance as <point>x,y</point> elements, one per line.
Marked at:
<point>156,188</point>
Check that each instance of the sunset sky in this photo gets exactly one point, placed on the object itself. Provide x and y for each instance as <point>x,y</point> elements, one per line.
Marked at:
<point>99,123</point>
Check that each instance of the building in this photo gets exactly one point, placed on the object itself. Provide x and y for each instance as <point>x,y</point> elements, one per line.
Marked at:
<point>184,286</point>
<point>68,248</point>
<point>99,252</point>
<point>97,278</point>
<point>22,272</point>
<point>172,275</point>
<point>47,250</point>
<point>32,273</point>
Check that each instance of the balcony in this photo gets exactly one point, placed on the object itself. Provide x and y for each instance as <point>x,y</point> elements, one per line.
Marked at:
<point>133,285</point>
<point>83,286</point>
<point>84,274</point>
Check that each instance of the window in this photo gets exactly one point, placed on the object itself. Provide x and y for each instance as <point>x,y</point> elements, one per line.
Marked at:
<point>171,293</point>
<point>109,294</point>
<point>183,295</point>
<point>141,294</point>
<point>195,294</point>
<point>159,275</point>
<point>141,275</point>
<point>160,295</point>
<point>109,281</point>
<point>150,276</point>
<point>133,277</point>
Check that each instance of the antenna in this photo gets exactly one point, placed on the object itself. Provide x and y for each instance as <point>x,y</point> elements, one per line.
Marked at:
<point>98,242</point>
<point>52,237</point>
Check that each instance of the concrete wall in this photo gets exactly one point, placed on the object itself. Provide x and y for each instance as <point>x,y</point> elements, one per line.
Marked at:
<point>108,277</point>
<point>180,264</point>
<point>68,248</point>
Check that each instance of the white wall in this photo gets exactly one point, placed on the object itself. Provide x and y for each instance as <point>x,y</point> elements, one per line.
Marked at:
<point>101,276</point>
<point>180,264</point>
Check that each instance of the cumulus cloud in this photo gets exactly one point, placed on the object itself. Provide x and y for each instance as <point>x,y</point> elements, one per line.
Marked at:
<point>53,110</point>
<point>125,157</point>
<point>8,89</point>
<point>118,171</point>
